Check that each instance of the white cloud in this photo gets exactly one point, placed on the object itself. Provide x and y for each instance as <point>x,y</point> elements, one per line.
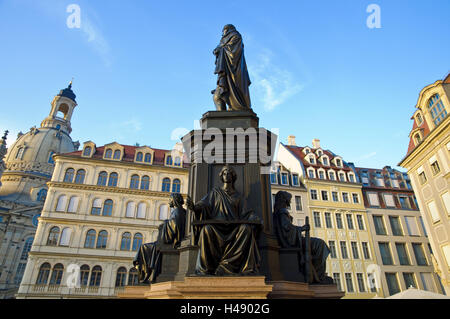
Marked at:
<point>96,39</point>
<point>271,84</point>
<point>366,156</point>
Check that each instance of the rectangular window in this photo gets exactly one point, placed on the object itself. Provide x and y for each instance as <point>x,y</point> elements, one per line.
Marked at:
<point>19,273</point>
<point>324,195</point>
<point>345,197</point>
<point>373,199</point>
<point>335,196</point>
<point>379,181</point>
<point>409,280</point>
<point>355,251</point>
<point>349,282</point>
<point>365,247</point>
<point>332,246</point>
<point>361,285</point>
<point>404,202</point>
<point>419,254</point>
<point>359,218</point>
<point>339,221</point>
<point>342,177</point>
<point>325,161</point>
<point>379,225</point>
<point>422,178</point>
<point>273,178</point>
<point>355,198</point>
<point>446,200</point>
<point>433,211</point>
<point>313,193</point>
<point>317,221</point>
<point>328,220</point>
<point>395,183</point>
<point>344,253</point>
<point>435,167</point>
<point>392,282</point>
<point>284,178</point>
<point>351,178</point>
<point>427,281</point>
<point>298,203</point>
<point>411,225</point>
<point>337,280</point>
<point>423,226</point>
<point>295,180</point>
<point>402,254</point>
<point>349,221</point>
<point>311,173</point>
<point>385,253</point>
<point>395,226</point>
<point>389,200</point>
<point>332,176</point>
<point>321,174</point>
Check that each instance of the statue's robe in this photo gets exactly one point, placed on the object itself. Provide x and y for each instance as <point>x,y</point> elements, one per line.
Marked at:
<point>148,259</point>
<point>226,249</point>
<point>232,71</point>
<point>290,236</point>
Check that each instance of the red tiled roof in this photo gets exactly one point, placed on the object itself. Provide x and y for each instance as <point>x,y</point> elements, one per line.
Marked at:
<point>130,151</point>
<point>298,152</point>
<point>425,131</point>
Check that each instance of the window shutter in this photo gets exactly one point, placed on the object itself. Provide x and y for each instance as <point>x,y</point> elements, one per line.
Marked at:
<point>411,225</point>
<point>130,209</point>
<point>446,200</point>
<point>65,237</point>
<point>373,199</point>
<point>389,199</point>
<point>433,211</point>
<point>62,202</point>
<point>73,204</point>
<point>141,210</point>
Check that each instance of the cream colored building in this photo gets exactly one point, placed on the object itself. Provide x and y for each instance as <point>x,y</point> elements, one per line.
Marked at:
<point>28,167</point>
<point>428,165</point>
<point>337,212</point>
<point>103,203</point>
<point>400,240</point>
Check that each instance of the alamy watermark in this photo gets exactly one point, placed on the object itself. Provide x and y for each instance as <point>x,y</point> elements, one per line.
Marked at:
<point>374,19</point>
<point>74,19</point>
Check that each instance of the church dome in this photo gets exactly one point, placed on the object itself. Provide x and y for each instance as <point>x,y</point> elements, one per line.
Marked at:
<point>29,163</point>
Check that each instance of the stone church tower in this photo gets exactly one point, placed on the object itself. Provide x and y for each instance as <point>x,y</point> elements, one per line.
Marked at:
<point>28,166</point>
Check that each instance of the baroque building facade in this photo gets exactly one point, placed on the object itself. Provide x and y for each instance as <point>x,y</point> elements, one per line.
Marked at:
<point>103,203</point>
<point>428,164</point>
<point>400,241</point>
<point>337,211</point>
<point>28,166</point>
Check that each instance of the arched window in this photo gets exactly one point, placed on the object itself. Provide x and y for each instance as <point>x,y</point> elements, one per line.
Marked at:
<point>42,195</point>
<point>73,204</point>
<point>141,210</point>
<point>437,109</point>
<point>145,182</point>
<point>176,185</point>
<point>108,153</point>
<point>50,158</point>
<point>19,153</point>
<point>121,277</point>
<point>107,207</point>
<point>102,239</point>
<point>125,243</point>
<point>134,183</point>
<point>96,276</point>
<point>84,275</point>
<point>62,203</point>
<point>102,177</point>
<point>65,236</point>
<point>166,185</point>
<point>96,206</point>
<point>68,176</point>
<point>133,277</point>
<point>90,239</point>
<point>43,274</point>
<point>87,151</point>
<point>131,207</point>
<point>163,212</point>
<point>139,157</point>
<point>53,236</point>
<point>57,274</point>
<point>26,248</point>
<point>177,161</point>
<point>417,138</point>
<point>117,154</point>
<point>137,241</point>
<point>148,158</point>
<point>113,177</point>
<point>169,160</point>
<point>79,178</point>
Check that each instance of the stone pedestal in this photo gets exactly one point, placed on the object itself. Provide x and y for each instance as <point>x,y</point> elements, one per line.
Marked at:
<point>301,290</point>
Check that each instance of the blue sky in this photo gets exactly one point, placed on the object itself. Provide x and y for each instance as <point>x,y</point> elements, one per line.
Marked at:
<point>144,69</point>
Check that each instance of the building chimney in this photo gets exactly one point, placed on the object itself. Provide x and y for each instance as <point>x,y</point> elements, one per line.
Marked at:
<point>316,143</point>
<point>291,140</point>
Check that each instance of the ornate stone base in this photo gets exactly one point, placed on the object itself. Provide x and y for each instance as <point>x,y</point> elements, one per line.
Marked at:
<point>299,290</point>
<point>247,287</point>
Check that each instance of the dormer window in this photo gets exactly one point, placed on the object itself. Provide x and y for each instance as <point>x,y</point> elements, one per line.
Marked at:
<point>108,153</point>
<point>148,158</point>
<point>117,154</point>
<point>169,160</point>
<point>87,151</point>
<point>306,150</point>
<point>321,174</point>
<point>419,119</point>
<point>139,157</point>
<point>417,138</point>
<point>295,180</point>
<point>312,160</point>
<point>437,109</point>
<point>273,177</point>
<point>338,162</point>
<point>19,153</point>
<point>177,161</point>
<point>332,176</point>
<point>351,178</point>
<point>325,161</point>
<point>311,173</point>
<point>319,153</point>
<point>284,178</point>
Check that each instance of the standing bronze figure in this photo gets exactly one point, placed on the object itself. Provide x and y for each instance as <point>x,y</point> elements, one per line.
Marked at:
<point>290,236</point>
<point>228,231</point>
<point>171,231</point>
<point>232,75</point>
